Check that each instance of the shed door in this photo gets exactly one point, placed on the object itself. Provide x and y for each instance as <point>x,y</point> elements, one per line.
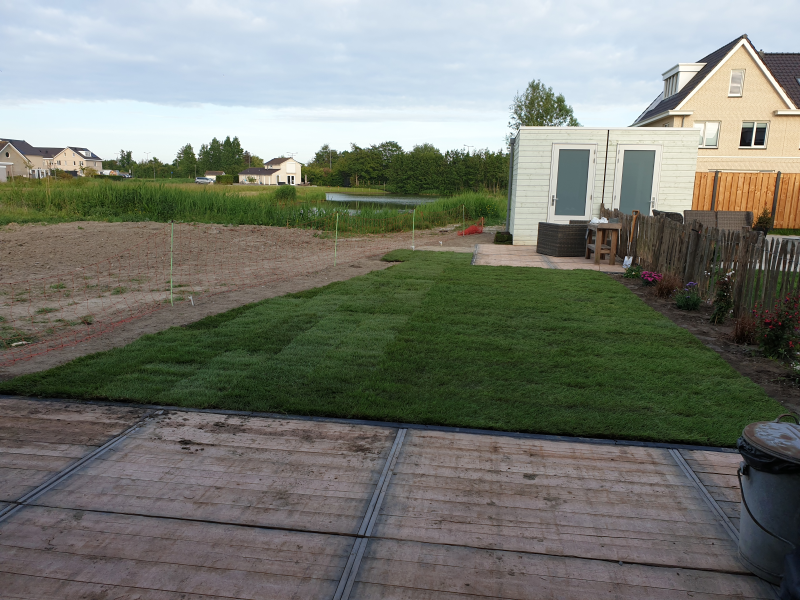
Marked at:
<point>636,179</point>
<point>571,182</point>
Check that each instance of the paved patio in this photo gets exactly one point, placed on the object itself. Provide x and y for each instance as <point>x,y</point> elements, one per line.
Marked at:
<point>118,502</point>
<point>526,256</point>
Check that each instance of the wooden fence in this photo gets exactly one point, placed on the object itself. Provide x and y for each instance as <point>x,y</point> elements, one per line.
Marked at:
<point>762,270</point>
<point>750,191</point>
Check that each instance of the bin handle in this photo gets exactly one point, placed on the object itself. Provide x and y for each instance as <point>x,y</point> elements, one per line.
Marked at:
<point>739,473</point>
<point>795,417</point>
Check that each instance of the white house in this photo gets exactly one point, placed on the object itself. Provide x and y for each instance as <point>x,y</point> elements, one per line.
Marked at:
<point>560,174</point>
<point>259,176</point>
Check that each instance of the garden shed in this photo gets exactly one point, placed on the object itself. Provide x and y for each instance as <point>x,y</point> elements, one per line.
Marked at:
<point>561,174</point>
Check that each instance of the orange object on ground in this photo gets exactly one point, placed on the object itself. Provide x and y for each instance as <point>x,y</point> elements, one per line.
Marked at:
<point>477,228</point>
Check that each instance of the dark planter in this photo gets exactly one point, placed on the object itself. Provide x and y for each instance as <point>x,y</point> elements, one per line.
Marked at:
<point>503,237</point>
<point>762,228</point>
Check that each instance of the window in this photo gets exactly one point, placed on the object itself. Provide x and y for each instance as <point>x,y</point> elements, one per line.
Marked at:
<point>737,84</point>
<point>754,135</point>
<point>671,86</point>
<point>709,133</point>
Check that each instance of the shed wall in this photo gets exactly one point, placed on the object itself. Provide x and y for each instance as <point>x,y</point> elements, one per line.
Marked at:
<point>532,162</point>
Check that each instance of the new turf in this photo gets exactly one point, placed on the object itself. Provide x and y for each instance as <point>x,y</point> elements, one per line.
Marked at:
<point>436,340</point>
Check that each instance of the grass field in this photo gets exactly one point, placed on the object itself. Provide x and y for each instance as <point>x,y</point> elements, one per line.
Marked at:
<point>78,200</point>
<point>435,340</point>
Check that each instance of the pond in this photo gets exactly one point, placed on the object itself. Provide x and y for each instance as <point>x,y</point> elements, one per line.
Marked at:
<point>380,201</point>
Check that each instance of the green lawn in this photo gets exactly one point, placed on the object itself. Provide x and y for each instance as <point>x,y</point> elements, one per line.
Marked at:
<point>435,340</point>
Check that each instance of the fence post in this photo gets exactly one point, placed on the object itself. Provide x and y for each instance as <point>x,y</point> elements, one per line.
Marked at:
<point>714,191</point>
<point>775,200</point>
<point>171,239</point>
<point>413,221</point>
<point>336,239</point>
<point>463,218</point>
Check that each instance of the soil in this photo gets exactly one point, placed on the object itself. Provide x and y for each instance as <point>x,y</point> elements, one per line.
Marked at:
<point>774,377</point>
<point>295,260</point>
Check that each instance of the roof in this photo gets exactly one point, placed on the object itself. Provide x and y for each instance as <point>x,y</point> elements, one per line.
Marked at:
<point>785,68</point>
<point>215,172</point>
<point>26,149</point>
<point>258,171</point>
<point>711,61</point>
<point>276,161</point>
<point>82,150</point>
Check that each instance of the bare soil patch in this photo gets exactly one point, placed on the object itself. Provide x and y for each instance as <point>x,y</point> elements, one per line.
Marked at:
<point>775,377</point>
<point>218,268</point>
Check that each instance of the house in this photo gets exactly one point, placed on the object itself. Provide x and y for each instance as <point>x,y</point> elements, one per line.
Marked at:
<point>213,174</point>
<point>288,170</point>
<point>74,160</point>
<point>26,160</point>
<point>744,104</point>
<point>560,174</point>
<point>259,176</point>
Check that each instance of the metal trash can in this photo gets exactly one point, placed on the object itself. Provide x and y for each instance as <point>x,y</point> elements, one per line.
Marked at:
<point>769,477</point>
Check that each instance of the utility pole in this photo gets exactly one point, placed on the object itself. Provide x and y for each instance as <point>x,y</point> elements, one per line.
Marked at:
<point>467,146</point>
<point>147,159</point>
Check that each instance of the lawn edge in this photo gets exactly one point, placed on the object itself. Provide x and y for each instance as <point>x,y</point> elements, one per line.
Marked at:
<point>387,424</point>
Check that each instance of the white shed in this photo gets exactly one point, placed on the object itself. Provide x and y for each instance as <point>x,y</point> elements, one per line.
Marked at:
<point>560,174</point>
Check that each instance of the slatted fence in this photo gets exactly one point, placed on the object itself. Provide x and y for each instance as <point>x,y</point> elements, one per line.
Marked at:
<point>763,270</point>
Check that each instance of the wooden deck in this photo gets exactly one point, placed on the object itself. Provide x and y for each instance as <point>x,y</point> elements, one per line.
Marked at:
<point>202,505</point>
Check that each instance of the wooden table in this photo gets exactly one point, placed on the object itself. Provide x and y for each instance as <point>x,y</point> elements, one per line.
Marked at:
<point>597,241</point>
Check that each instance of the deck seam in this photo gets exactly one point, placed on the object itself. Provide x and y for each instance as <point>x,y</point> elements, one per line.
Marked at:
<point>387,424</point>
<point>705,495</point>
<point>359,546</point>
<point>27,499</point>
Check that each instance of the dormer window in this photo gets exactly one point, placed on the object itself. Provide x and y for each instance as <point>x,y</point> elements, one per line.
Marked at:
<point>737,83</point>
<point>671,86</point>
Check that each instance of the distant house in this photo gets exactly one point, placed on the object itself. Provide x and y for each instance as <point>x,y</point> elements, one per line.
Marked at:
<point>26,160</point>
<point>287,170</point>
<point>259,176</point>
<point>744,104</point>
<point>213,174</point>
<point>74,160</point>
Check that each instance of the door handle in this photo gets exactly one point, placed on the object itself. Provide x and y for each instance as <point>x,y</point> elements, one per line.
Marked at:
<point>553,201</point>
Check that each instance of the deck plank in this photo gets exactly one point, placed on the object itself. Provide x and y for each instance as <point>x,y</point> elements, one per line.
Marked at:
<point>40,438</point>
<point>395,570</point>
<point>169,555</point>
<point>717,472</point>
<point>443,496</point>
<point>265,472</point>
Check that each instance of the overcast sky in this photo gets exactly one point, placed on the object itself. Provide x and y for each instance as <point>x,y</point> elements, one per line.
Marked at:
<point>150,76</point>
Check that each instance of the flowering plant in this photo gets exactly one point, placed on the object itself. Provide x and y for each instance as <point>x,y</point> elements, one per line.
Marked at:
<point>688,298</point>
<point>778,329</point>
<point>650,277</point>
<point>723,300</point>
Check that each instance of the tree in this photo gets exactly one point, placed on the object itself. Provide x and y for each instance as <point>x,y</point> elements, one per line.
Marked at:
<point>325,157</point>
<point>125,160</point>
<point>539,106</point>
<point>186,162</point>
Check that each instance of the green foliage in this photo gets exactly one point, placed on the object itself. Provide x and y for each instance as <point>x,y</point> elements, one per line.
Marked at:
<point>776,330</point>
<point>764,220</point>
<point>723,299</point>
<point>186,162</point>
<point>539,106</point>
<point>436,340</point>
<point>285,193</point>
<point>633,272</point>
<point>688,298</point>
<point>226,179</point>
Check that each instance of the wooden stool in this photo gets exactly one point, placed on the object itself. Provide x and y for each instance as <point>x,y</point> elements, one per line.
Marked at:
<point>602,238</point>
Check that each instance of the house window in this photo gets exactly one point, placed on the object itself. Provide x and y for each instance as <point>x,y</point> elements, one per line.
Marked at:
<point>754,135</point>
<point>737,83</point>
<point>709,133</point>
<point>671,86</point>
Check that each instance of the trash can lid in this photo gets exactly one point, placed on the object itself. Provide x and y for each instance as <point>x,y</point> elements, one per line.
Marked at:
<point>775,438</point>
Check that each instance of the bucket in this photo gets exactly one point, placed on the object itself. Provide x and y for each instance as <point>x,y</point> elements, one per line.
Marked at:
<point>769,477</point>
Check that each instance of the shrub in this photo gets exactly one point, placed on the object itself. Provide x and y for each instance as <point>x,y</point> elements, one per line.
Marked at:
<point>688,298</point>
<point>667,285</point>
<point>63,175</point>
<point>286,193</point>
<point>777,330</point>
<point>650,278</point>
<point>744,330</point>
<point>225,179</point>
<point>633,272</point>
<point>764,221</point>
<point>723,299</point>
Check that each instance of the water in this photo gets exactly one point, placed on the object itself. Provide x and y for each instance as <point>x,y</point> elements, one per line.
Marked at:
<point>388,201</point>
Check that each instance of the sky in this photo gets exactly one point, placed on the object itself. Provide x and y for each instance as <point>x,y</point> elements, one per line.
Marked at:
<point>286,77</point>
